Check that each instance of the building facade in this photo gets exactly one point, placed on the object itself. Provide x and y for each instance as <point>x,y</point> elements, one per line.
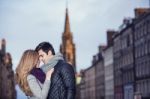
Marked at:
<point>82,86</point>
<point>124,68</point>
<point>127,59</point>
<point>87,85</point>
<point>92,82</point>
<point>7,81</point>
<point>99,73</point>
<point>118,83</point>
<point>108,67</point>
<point>142,52</point>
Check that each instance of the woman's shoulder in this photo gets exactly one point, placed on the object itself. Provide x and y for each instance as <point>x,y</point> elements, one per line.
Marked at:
<point>30,76</point>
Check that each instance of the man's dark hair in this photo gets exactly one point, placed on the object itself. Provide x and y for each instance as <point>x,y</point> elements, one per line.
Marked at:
<point>45,46</point>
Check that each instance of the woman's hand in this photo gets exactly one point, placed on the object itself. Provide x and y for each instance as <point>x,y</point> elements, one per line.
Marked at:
<point>49,73</point>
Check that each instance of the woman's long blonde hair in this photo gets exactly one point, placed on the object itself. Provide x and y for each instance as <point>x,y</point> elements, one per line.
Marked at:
<point>28,61</point>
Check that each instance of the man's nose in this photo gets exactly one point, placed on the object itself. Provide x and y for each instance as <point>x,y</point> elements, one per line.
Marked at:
<point>41,63</point>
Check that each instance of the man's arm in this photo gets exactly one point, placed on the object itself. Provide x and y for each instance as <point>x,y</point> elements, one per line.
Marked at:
<point>68,76</point>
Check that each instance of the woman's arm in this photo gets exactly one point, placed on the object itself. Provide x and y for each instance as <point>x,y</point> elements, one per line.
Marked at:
<point>38,91</point>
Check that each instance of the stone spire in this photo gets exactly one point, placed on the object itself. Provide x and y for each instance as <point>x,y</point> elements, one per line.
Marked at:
<point>67,47</point>
<point>67,31</point>
<point>67,23</point>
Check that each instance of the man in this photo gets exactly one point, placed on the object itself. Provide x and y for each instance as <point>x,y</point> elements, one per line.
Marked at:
<point>63,79</point>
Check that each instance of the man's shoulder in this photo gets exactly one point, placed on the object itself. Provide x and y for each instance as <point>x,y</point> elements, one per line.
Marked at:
<point>63,64</point>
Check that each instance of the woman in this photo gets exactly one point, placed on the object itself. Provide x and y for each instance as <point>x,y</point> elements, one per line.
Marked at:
<point>31,79</point>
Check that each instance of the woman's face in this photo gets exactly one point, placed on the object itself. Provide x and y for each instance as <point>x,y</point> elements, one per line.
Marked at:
<point>38,64</point>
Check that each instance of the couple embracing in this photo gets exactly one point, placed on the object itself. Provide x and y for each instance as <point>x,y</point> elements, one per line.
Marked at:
<point>55,79</point>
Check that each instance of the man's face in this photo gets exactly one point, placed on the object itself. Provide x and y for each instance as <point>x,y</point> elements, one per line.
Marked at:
<point>44,56</point>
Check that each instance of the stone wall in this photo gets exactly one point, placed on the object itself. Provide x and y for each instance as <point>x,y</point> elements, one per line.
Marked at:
<point>7,82</point>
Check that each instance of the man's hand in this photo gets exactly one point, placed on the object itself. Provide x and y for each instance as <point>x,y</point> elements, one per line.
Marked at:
<point>49,73</point>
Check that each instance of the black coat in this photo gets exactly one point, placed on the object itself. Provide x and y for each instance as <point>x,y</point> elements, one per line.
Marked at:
<point>62,82</point>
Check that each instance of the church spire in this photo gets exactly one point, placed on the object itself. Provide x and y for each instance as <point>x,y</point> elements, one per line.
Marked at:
<point>67,23</point>
<point>67,48</point>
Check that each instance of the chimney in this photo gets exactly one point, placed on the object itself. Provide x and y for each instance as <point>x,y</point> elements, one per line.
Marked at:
<point>140,11</point>
<point>127,21</point>
<point>101,48</point>
<point>110,34</point>
<point>94,60</point>
<point>3,46</point>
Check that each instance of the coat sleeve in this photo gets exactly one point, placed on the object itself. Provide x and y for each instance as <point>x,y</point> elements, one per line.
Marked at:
<point>68,75</point>
<point>39,92</point>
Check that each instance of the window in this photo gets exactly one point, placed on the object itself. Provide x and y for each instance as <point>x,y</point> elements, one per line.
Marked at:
<point>146,48</point>
<point>139,51</point>
<point>135,33</point>
<point>147,68</point>
<point>148,26</point>
<point>142,87</point>
<point>148,86</point>
<point>127,41</point>
<point>144,28</point>
<point>144,69</point>
<point>137,70</point>
<point>140,70</point>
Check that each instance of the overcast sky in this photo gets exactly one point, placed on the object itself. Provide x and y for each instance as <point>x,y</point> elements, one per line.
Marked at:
<point>26,23</point>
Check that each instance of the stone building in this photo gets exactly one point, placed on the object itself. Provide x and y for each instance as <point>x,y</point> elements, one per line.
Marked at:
<point>7,82</point>
<point>142,52</point>
<point>92,82</point>
<point>118,83</point>
<point>127,59</point>
<point>131,57</point>
<point>108,66</point>
<point>82,87</point>
<point>98,62</point>
<point>124,61</point>
<point>90,88</point>
<point>87,86</point>
<point>118,90</point>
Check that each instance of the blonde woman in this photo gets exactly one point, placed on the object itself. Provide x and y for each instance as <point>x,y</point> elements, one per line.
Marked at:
<point>31,79</point>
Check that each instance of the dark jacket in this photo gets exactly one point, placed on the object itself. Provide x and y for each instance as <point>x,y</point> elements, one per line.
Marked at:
<point>62,82</point>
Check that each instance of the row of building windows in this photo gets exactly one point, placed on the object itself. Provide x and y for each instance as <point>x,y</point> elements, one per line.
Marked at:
<point>119,96</point>
<point>123,43</point>
<point>128,76</point>
<point>143,87</point>
<point>142,49</point>
<point>123,61</point>
<point>124,78</point>
<point>126,41</point>
<point>142,29</point>
<point>117,45</point>
<point>143,69</point>
<point>118,80</point>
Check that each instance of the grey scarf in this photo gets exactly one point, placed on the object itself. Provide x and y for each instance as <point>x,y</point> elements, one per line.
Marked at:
<point>52,62</point>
